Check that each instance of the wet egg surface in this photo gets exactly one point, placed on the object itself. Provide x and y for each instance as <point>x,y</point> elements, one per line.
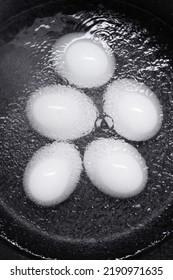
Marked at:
<point>52,173</point>
<point>60,112</point>
<point>134,108</point>
<point>115,167</point>
<point>83,61</point>
<point>143,51</point>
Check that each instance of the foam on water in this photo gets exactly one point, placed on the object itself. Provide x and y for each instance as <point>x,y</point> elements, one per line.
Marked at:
<point>134,108</point>
<point>83,61</point>
<point>52,173</point>
<point>115,167</point>
<point>143,50</point>
<point>61,112</point>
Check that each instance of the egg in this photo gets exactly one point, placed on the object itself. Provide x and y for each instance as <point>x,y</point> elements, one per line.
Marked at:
<point>61,112</point>
<point>83,61</point>
<point>52,173</point>
<point>134,108</point>
<point>115,167</point>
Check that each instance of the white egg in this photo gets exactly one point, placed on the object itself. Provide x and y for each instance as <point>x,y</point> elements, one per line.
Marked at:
<point>60,112</point>
<point>52,173</point>
<point>83,61</point>
<point>134,108</point>
<point>115,167</point>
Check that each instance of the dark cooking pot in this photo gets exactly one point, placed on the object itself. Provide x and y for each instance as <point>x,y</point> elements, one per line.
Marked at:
<point>28,236</point>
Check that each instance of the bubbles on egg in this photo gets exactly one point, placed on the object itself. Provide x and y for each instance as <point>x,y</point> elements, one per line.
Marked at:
<point>134,108</point>
<point>115,167</point>
<point>83,61</point>
<point>61,112</point>
<point>52,173</point>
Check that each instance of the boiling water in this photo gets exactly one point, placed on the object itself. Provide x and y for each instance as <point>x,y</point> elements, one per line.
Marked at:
<point>26,64</point>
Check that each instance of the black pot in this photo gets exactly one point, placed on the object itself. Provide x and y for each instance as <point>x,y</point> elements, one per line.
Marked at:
<point>26,234</point>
